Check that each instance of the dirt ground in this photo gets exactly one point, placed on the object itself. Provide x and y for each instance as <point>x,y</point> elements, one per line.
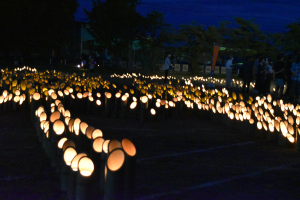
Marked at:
<point>189,157</point>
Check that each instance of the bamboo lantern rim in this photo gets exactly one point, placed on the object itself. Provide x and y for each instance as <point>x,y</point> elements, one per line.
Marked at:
<point>83,126</point>
<point>97,133</point>
<point>89,131</point>
<point>61,142</point>
<point>68,143</point>
<point>71,123</point>
<point>114,144</point>
<point>85,166</point>
<point>105,146</point>
<point>43,116</point>
<point>54,116</point>
<point>67,113</point>
<point>53,95</point>
<point>57,102</point>
<point>58,127</point>
<point>116,160</point>
<point>75,161</point>
<point>98,102</point>
<point>129,147</point>
<point>98,144</point>
<point>153,112</point>
<point>76,125</point>
<point>133,105</point>
<point>69,154</point>
<point>36,96</point>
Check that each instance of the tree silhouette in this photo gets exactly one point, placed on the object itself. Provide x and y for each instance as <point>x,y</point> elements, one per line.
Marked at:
<point>30,26</point>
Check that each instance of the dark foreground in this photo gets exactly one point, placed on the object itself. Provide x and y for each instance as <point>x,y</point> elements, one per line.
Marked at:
<point>186,158</point>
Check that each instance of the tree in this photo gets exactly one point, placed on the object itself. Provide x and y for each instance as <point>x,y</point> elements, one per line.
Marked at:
<point>291,38</point>
<point>115,24</point>
<point>248,39</point>
<point>156,30</point>
<point>191,42</point>
<point>30,26</point>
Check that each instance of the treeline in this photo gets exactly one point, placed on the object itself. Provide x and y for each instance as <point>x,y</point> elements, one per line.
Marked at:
<point>28,26</point>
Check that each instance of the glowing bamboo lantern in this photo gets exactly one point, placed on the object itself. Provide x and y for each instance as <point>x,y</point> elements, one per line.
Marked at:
<point>35,103</point>
<point>53,117</point>
<point>97,133</point>
<point>59,129</point>
<point>16,103</point>
<point>282,134</point>
<point>114,144</point>
<point>99,160</point>
<point>45,128</point>
<point>124,100</point>
<point>76,126</point>
<point>43,117</point>
<point>130,168</point>
<point>68,155</point>
<point>117,105</point>
<point>84,182</point>
<point>71,186</point>
<point>114,180</point>
<point>108,103</point>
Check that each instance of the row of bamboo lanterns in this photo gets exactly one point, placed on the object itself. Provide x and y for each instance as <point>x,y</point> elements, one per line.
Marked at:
<point>113,160</point>
<point>262,115</point>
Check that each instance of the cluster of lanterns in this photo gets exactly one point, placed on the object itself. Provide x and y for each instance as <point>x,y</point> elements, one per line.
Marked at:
<point>272,119</point>
<point>82,155</point>
<point>89,165</point>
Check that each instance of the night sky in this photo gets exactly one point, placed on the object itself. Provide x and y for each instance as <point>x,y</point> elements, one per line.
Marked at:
<point>271,15</point>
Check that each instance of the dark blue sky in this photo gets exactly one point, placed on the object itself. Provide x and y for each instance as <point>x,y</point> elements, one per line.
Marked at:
<point>271,15</point>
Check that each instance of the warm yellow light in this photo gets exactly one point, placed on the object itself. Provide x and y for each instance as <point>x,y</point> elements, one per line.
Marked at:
<point>89,132</point>
<point>271,127</point>
<point>152,111</point>
<point>144,99</point>
<point>105,146</point>
<point>114,144</point>
<point>36,96</point>
<point>124,98</point>
<point>83,126</point>
<point>133,105</point>
<point>86,166</point>
<point>129,147</point>
<point>69,154</point>
<point>61,142</point>
<point>98,144</point>
<point>98,102</point>
<point>79,95</point>
<point>259,125</point>
<point>58,127</point>
<point>115,160</point>
<point>290,138</point>
<point>74,162</point>
<point>108,95</point>
<point>76,126</point>
<point>54,116</point>
<point>283,129</point>
<point>290,129</point>
<point>118,95</point>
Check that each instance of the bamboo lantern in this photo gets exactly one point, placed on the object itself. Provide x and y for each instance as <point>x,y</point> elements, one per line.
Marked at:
<point>282,137</point>
<point>85,182</point>
<point>130,168</point>
<point>35,103</point>
<point>97,133</point>
<point>124,100</point>
<point>68,155</point>
<point>108,104</point>
<point>114,180</point>
<point>71,183</point>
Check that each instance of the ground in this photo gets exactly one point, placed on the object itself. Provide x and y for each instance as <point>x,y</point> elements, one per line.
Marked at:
<point>190,156</point>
